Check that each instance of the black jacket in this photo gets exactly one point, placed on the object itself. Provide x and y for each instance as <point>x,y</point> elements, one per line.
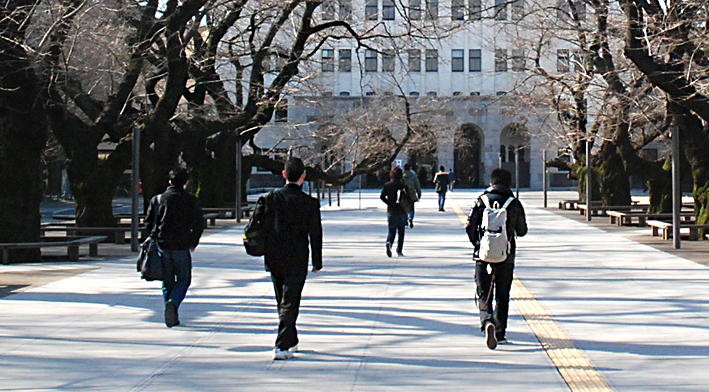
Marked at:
<point>389,194</point>
<point>180,219</point>
<point>516,219</point>
<point>296,224</point>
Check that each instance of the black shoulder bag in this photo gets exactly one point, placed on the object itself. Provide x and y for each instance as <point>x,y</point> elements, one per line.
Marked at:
<point>150,263</point>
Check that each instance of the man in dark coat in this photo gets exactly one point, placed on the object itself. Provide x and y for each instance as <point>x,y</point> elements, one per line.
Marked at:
<point>494,280</point>
<point>180,223</point>
<point>296,218</point>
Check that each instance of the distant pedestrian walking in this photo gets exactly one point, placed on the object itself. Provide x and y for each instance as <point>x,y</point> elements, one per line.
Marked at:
<point>441,180</point>
<point>494,278</point>
<point>296,224</point>
<point>392,195</point>
<point>451,178</point>
<point>413,187</point>
<point>179,227</point>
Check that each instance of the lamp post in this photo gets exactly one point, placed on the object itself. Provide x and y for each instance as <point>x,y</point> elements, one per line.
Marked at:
<point>237,209</point>
<point>676,191</point>
<point>544,176</point>
<point>135,194</point>
<point>589,173</point>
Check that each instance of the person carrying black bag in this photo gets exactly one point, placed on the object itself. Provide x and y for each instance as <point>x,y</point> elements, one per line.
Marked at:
<point>179,226</point>
<point>296,223</point>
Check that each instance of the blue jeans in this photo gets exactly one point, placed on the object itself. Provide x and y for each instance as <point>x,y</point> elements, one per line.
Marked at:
<point>397,223</point>
<point>411,214</point>
<point>177,271</point>
<point>441,200</point>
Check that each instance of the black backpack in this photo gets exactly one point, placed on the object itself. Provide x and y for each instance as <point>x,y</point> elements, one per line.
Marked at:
<point>259,226</point>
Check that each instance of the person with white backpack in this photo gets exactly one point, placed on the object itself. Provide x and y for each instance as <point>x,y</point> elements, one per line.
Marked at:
<point>494,222</point>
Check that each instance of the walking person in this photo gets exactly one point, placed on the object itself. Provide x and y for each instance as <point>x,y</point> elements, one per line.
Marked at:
<point>494,279</point>
<point>396,215</point>
<point>451,178</point>
<point>441,181</point>
<point>179,226</point>
<point>413,187</point>
<point>296,225</point>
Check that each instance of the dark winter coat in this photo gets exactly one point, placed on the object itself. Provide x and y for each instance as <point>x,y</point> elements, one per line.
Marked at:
<point>180,219</point>
<point>389,196</point>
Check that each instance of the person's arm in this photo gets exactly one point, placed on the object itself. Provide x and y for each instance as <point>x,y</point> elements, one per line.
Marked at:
<point>384,196</point>
<point>521,224</point>
<point>197,224</point>
<point>472,225</point>
<point>315,233</point>
<point>417,186</point>
<point>149,220</point>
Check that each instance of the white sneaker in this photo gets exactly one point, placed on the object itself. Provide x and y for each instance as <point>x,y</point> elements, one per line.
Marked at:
<point>490,338</point>
<point>281,354</point>
<point>293,349</point>
<point>502,341</point>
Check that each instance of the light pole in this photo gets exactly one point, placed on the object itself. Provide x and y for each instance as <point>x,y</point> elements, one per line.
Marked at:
<point>544,176</point>
<point>676,191</point>
<point>589,173</point>
<point>135,192</point>
<point>237,209</point>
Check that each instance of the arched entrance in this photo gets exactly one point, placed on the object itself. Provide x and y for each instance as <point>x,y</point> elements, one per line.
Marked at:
<point>467,156</point>
<point>515,138</point>
<point>423,154</point>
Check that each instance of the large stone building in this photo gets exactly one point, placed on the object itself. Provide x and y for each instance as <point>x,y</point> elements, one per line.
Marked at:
<point>476,69</point>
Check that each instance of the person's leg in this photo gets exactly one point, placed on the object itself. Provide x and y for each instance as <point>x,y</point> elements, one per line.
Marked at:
<point>401,228</point>
<point>504,273</point>
<point>411,215</point>
<point>182,264</point>
<point>289,309</point>
<point>391,225</point>
<point>483,282</point>
<point>443,200</point>
<point>168,273</point>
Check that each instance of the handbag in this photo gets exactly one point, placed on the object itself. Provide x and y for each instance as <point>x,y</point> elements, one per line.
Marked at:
<point>150,263</point>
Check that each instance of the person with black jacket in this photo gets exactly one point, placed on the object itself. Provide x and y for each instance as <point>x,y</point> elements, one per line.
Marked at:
<point>296,223</point>
<point>494,280</point>
<point>180,224</point>
<point>397,217</point>
<point>441,180</point>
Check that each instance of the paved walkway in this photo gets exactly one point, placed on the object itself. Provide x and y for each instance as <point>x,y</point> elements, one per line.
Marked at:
<point>591,310</point>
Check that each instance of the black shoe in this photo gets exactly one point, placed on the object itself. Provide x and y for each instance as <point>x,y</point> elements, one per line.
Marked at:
<point>171,318</point>
<point>490,338</point>
<point>388,249</point>
<point>411,223</point>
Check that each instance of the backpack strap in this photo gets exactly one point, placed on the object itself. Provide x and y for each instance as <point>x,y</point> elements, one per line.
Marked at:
<point>486,201</point>
<point>507,203</point>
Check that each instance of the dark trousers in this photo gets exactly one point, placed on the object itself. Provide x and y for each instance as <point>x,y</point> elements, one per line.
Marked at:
<point>177,271</point>
<point>441,200</point>
<point>501,286</point>
<point>396,221</point>
<point>288,287</point>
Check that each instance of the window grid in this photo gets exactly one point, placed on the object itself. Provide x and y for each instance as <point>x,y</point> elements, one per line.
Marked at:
<point>475,60</point>
<point>370,61</point>
<point>371,9</point>
<point>415,10</point>
<point>500,9</point>
<point>475,9</point>
<point>457,9</point>
<point>518,61</point>
<point>388,10</point>
<point>431,60</point>
<point>457,60</point>
<point>328,60</point>
<point>562,60</point>
<point>414,60</point>
<point>431,9</point>
<point>500,60</point>
<point>388,60</point>
<point>345,64</point>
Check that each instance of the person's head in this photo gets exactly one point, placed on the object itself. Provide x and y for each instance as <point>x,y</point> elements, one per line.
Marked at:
<point>407,166</point>
<point>294,170</point>
<point>501,177</point>
<point>396,174</point>
<point>179,177</point>
<point>442,168</point>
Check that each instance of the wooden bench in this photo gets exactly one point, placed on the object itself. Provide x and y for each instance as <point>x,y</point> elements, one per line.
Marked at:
<point>211,218</point>
<point>71,243</point>
<point>626,218</point>
<point>115,234</point>
<point>666,228</point>
<point>599,210</point>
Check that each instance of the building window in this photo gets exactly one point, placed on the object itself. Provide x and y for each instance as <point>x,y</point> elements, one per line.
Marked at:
<point>475,93</point>
<point>345,64</point>
<point>475,9</point>
<point>500,9</point>
<point>282,111</point>
<point>328,60</point>
<point>501,93</point>
<point>371,8</point>
<point>414,60</point>
<point>503,154</point>
<point>344,93</point>
<point>267,64</point>
<point>388,10</point>
<point>327,94</point>
<point>432,94</point>
<point>500,60</point>
<point>431,60</point>
<point>458,9</point>
<point>457,93</point>
<point>370,61</point>
<point>370,93</point>
<point>475,60</point>
<point>563,11</point>
<point>518,62</point>
<point>518,10</point>
<point>414,94</point>
<point>577,61</point>
<point>346,9</point>
<point>388,60</point>
<point>458,60</point>
<point>415,9</point>
<point>431,9</point>
<point>328,10</point>
<point>562,60</point>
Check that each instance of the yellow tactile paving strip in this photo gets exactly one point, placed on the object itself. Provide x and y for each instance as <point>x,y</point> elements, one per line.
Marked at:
<point>573,366</point>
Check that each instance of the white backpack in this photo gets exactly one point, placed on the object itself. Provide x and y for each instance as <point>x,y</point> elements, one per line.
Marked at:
<point>494,245</point>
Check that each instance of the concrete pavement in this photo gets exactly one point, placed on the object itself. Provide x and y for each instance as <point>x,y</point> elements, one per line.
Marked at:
<point>591,310</point>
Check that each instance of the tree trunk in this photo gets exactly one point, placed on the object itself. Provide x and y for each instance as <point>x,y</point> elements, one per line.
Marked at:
<point>615,187</point>
<point>23,136</point>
